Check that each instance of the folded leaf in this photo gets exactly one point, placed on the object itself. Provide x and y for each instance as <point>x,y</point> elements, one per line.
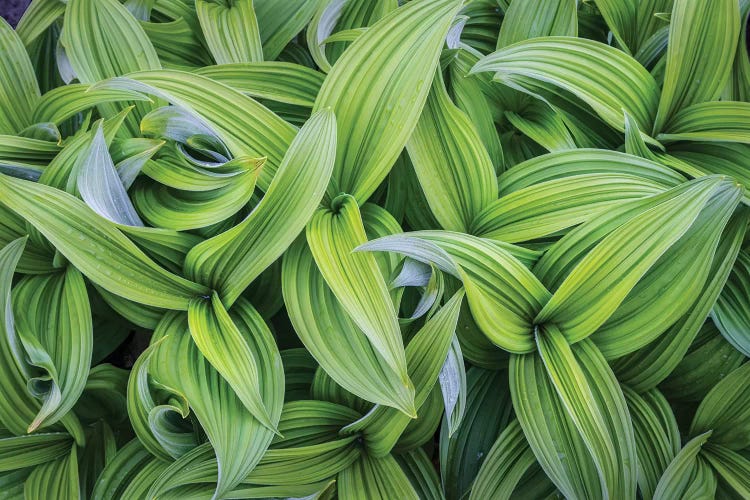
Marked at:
<point>702,42</point>
<point>579,307</point>
<point>503,294</point>
<point>57,479</point>
<point>233,259</point>
<point>524,20</point>
<point>231,30</point>
<point>26,451</point>
<point>375,123</point>
<point>19,91</point>
<point>375,478</point>
<point>730,466</point>
<point>688,475</point>
<point>280,23</point>
<point>724,121</point>
<point>454,169</point>
<point>93,245</point>
<point>616,81</point>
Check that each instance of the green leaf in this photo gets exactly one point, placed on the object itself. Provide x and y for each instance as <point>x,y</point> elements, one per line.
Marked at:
<point>552,206</point>
<point>425,356</point>
<point>488,411</point>
<point>53,323</point>
<point>231,30</point>
<point>278,81</point>
<point>454,169</point>
<point>280,23</point>
<point>504,296</point>
<point>155,425</point>
<point>581,304</point>
<point>375,478</point>
<point>724,121</point>
<point>244,125</point>
<point>702,42</point>
<point>39,15</point>
<point>228,352</point>
<point>591,396</point>
<point>230,261</point>
<point>19,91</point>
<point>657,437</point>
<point>506,463</point>
<point>537,18</point>
<point>615,80</point>
<point>356,281</point>
<point>421,473</point>
<point>125,472</point>
<point>731,467</point>
<point>57,479</point>
<point>452,380</point>
<point>725,410</point>
<point>375,123</point>
<point>238,439</point>
<point>730,313</point>
<point>621,18</point>
<point>27,451</point>
<point>94,246</point>
<point>687,473</point>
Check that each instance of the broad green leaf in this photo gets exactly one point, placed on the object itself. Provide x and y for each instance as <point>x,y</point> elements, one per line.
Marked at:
<point>592,398</point>
<point>702,42</point>
<point>548,207</point>
<point>454,169</point>
<point>425,356</point>
<point>94,246</point>
<point>237,438</point>
<point>19,90</point>
<point>724,121</point>
<point>730,313</point>
<point>103,40</point>
<point>56,479</point>
<point>375,123</point>
<point>222,344</point>
<point>177,44</point>
<point>54,326</point>
<point>488,411</point>
<point>647,367</point>
<point>126,470</point>
<point>39,15</point>
<point>230,261</point>
<point>506,463</point>
<point>725,410</point>
<point>421,473</point>
<point>26,451</point>
<point>585,161</point>
<point>537,18</point>
<point>730,466</point>
<point>61,103</point>
<point>580,305</point>
<point>280,23</point>
<point>356,281</point>
<point>621,18</point>
<point>669,289</point>
<point>332,337</point>
<point>278,81</point>
<point>708,360</point>
<point>688,475</point>
<point>614,82</point>
<point>544,125</point>
<point>504,296</point>
<point>468,95</point>
<point>657,438</point>
<point>244,125</point>
<point>375,478</point>
<point>552,435</point>
<point>231,30</point>
<point>154,424</point>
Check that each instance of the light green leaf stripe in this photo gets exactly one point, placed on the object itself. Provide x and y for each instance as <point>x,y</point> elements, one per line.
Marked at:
<point>19,90</point>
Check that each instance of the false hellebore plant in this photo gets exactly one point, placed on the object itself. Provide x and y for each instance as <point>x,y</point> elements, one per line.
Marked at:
<point>431,249</point>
